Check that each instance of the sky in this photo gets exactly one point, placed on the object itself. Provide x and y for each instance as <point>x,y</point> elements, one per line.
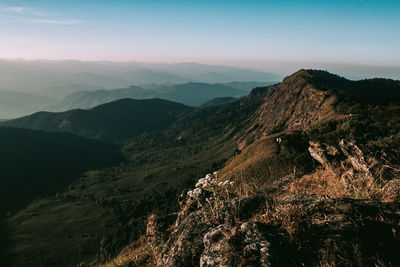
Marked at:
<point>363,32</point>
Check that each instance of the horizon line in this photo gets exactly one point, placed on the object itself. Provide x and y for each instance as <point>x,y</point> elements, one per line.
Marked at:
<point>225,62</point>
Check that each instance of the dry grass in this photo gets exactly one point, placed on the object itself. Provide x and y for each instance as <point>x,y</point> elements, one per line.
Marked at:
<point>137,254</point>
<point>346,182</point>
<point>253,155</point>
<point>320,182</point>
<point>247,184</point>
<point>286,216</point>
<point>260,164</point>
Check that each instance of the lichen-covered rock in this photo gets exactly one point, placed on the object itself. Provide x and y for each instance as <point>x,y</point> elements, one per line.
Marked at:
<point>243,245</point>
<point>356,157</point>
<point>203,238</point>
<point>185,243</point>
<point>318,152</point>
<point>217,250</point>
<point>392,190</point>
<point>255,246</point>
<point>350,167</point>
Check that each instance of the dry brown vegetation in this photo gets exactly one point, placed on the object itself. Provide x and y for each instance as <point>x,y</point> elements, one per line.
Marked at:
<point>265,161</point>
<point>344,181</point>
<point>250,168</point>
<point>137,254</point>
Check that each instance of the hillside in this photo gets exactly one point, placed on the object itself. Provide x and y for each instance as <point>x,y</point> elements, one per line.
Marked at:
<point>115,121</point>
<point>300,181</point>
<point>37,163</point>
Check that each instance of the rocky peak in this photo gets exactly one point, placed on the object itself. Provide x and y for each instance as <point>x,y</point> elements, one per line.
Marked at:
<point>300,100</point>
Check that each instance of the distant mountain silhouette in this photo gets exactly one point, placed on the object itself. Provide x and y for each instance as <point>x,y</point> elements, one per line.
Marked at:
<point>218,101</point>
<point>115,121</point>
<point>195,94</point>
<point>192,94</point>
<point>90,99</point>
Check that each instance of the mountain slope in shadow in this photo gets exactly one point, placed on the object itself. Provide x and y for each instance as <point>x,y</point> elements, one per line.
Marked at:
<point>36,163</point>
<point>111,122</point>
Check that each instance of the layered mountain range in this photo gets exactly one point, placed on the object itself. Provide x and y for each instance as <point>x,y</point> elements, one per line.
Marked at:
<point>192,94</point>
<point>306,174</point>
<point>28,86</point>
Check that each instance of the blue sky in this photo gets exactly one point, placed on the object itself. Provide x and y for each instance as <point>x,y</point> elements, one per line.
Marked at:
<point>352,31</point>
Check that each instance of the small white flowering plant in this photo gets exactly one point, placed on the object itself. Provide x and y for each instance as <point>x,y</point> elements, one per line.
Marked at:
<point>209,183</point>
<point>210,191</point>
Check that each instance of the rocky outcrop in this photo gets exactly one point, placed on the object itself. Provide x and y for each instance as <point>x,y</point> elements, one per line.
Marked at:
<point>185,244</point>
<point>351,167</point>
<point>303,229</point>
<point>356,157</point>
<point>321,152</point>
<point>224,246</point>
<point>199,240</point>
<point>201,237</point>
